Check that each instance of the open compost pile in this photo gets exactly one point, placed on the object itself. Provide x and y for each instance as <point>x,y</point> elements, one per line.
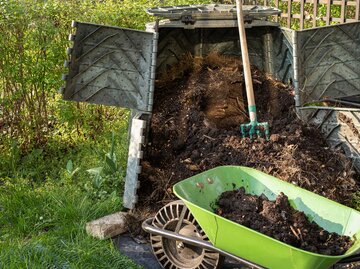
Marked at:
<point>199,105</point>
<point>279,220</point>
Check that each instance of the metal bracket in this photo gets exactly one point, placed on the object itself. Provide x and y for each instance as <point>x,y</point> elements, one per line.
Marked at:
<point>248,19</point>
<point>188,19</point>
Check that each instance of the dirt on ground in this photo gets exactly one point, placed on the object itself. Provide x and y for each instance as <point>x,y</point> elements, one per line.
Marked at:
<point>198,108</point>
<point>279,220</point>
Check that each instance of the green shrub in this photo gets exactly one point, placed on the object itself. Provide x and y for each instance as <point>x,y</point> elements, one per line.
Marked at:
<point>32,52</point>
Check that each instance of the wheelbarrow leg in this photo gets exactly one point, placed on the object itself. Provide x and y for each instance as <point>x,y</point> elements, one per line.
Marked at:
<point>181,219</point>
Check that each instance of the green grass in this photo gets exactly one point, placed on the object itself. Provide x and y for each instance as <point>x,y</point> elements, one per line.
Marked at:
<point>43,227</point>
<point>45,204</point>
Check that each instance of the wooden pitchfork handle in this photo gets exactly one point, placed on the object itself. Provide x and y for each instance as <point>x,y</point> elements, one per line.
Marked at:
<point>246,62</point>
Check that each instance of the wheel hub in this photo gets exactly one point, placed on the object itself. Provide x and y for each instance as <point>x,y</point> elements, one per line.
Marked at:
<point>184,255</point>
<point>175,254</point>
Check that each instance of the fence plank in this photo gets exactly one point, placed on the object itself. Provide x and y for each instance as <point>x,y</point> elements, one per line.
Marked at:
<point>328,10</point>
<point>315,12</point>
<point>302,6</point>
<point>289,14</point>
<point>334,19</point>
<point>343,8</point>
<point>351,20</point>
<point>283,15</point>
<point>297,16</point>
<point>339,20</point>
<point>324,2</point>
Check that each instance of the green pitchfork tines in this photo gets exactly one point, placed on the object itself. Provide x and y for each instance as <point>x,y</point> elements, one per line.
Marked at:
<point>254,127</point>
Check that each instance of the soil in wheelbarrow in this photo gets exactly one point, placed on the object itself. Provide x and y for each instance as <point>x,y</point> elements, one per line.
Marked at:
<point>199,105</point>
<point>279,220</point>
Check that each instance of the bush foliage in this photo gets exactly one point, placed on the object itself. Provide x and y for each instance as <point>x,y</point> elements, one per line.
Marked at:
<point>32,52</point>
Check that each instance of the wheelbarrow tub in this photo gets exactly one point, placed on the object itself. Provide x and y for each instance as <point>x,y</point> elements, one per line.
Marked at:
<point>201,191</point>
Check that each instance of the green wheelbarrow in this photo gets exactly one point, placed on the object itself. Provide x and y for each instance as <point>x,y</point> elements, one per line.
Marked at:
<point>188,234</point>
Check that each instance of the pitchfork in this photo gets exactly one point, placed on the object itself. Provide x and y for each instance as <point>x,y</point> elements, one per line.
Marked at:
<point>253,127</point>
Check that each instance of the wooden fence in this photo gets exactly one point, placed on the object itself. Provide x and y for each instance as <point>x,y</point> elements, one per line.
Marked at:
<point>301,14</point>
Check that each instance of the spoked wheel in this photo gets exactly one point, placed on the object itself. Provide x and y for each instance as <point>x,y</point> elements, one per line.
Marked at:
<point>174,254</point>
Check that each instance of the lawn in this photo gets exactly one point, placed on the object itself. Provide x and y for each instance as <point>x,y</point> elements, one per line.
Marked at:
<point>48,195</point>
<point>62,164</point>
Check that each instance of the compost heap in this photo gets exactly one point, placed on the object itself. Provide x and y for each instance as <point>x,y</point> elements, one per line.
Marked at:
<point>199,105</point>
<point>279,220</point>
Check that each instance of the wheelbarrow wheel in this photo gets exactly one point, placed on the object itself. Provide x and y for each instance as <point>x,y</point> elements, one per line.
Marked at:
<point>174,254</point>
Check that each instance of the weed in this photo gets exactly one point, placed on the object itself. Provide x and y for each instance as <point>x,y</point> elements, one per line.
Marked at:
<point>70,169</point>
<point>107,177</point>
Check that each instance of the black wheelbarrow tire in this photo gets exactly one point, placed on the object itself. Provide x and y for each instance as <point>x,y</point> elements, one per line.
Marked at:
<point>174,254</point>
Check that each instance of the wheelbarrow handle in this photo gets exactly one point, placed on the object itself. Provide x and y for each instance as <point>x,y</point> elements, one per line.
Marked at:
<point>148,227</point>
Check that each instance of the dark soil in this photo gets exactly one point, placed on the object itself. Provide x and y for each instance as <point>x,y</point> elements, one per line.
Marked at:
<point>198,108</point>
<point>279,220</point>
